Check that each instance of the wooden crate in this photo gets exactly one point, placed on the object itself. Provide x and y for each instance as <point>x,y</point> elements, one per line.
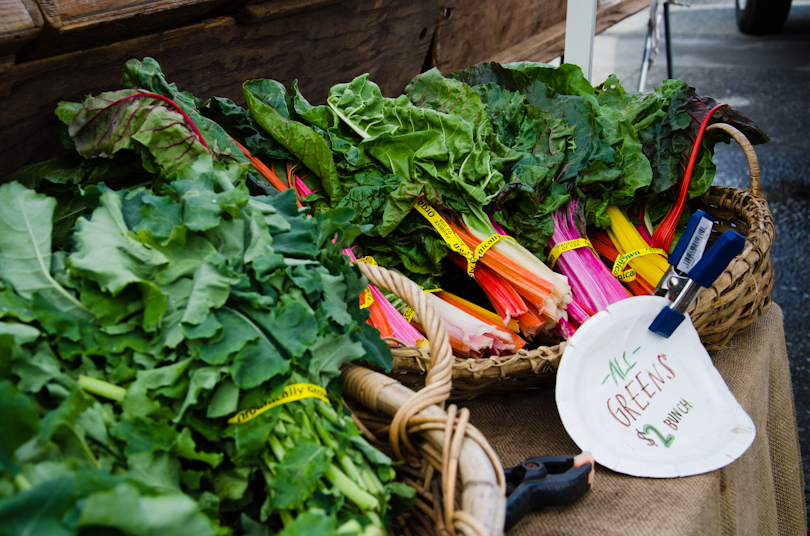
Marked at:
<point>54,50</point>
<point>475,31</point>
<point>321,43</point>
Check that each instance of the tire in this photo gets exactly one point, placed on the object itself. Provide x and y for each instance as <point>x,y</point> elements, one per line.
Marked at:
<point>757,17</point>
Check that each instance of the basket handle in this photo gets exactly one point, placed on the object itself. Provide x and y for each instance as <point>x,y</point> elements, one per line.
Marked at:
<point>750,154</point>
<point>441,362</point>
<point>439,379</point>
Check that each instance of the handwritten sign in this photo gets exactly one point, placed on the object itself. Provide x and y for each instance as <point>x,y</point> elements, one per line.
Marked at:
<point>646,405</point>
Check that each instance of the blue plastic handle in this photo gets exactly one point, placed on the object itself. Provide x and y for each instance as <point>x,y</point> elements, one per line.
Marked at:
<point>667,322</point>
<point>729,245</point>
<point>691,227</point>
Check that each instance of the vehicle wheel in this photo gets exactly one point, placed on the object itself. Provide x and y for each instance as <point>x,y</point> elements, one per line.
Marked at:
<point>757,17</point>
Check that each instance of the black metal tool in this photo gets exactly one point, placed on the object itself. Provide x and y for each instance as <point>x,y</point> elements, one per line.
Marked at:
<point>546,481</point>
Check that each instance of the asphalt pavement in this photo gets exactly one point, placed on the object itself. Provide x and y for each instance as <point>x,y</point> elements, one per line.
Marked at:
<point>768,79</point>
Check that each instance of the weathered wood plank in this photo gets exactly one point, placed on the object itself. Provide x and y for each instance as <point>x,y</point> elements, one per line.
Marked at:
<point>388,39</point>
<point>262,10</point>
<point>477,31</point>
<point>20,23</point>
<point>549,43</point>
<point>78,24</point>
<point>471,31</point>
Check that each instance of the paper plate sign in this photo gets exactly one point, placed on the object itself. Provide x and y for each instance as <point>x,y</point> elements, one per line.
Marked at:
<point>646,405</point>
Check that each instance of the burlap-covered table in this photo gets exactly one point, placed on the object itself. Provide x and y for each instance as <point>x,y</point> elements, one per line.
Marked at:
<point>761,493</point>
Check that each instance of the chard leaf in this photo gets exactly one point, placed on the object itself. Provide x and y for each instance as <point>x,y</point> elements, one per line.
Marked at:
<point>26,218</point>
<point>126,119</point>
<point>240,124</point>
<point>303,142</point>
<point>147,74</point>
<point>374,350</point>
<point>566,79</point>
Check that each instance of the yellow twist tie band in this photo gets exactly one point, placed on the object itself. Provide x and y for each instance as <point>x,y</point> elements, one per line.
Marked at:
<point>447,234</point>
<point>368,260</point>
<point>568,245</point>
<point>622,260</point>
<point>627,276</point>
<point>484,246</point>
<point>291,393</point>
<point>368,299</point>
<point>408,312</point>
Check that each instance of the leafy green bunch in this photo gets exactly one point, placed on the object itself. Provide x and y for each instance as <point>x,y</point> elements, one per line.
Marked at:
<point>126,345</point>
<point>513,141</point>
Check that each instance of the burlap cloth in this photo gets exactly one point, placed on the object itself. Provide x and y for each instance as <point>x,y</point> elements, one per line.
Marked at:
<point>761,493</point>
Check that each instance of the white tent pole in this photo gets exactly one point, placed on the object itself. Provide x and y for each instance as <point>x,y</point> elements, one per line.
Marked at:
<point>580,27</point>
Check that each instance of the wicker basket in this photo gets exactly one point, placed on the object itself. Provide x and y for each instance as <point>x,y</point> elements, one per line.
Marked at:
<point>739,296</point>
<point>459,480</point>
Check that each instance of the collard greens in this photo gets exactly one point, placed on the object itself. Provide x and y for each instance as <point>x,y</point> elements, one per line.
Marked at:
<point>167,310</point>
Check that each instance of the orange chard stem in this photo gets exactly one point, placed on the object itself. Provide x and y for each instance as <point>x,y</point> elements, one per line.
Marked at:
<point>501,294</point>
<point>379,321</point>
<point>266,172</point>
<point>531,287</point>
<point>480,313</point>
<point>531,323</point>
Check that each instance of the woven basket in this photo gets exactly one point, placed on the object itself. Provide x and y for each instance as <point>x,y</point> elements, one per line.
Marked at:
<point>459,480</point>
<point>739,296</point>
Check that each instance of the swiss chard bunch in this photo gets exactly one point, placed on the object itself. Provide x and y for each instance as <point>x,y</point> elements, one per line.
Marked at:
<point>126,356</point>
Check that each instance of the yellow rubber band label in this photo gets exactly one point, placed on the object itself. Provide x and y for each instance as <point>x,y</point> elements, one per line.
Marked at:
<point>291,393</point>
<point>368,299</point>
<point>622,260</point>
<point>368,260</point>
<point>627,275</point>
<point>568,245</point>
<point>447,234</point>
<point>484,246</point>
<point>409,312</point>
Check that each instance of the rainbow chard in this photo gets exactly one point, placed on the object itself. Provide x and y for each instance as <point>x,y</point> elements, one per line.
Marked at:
<point>592,284</point>
<point>135,120</point>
